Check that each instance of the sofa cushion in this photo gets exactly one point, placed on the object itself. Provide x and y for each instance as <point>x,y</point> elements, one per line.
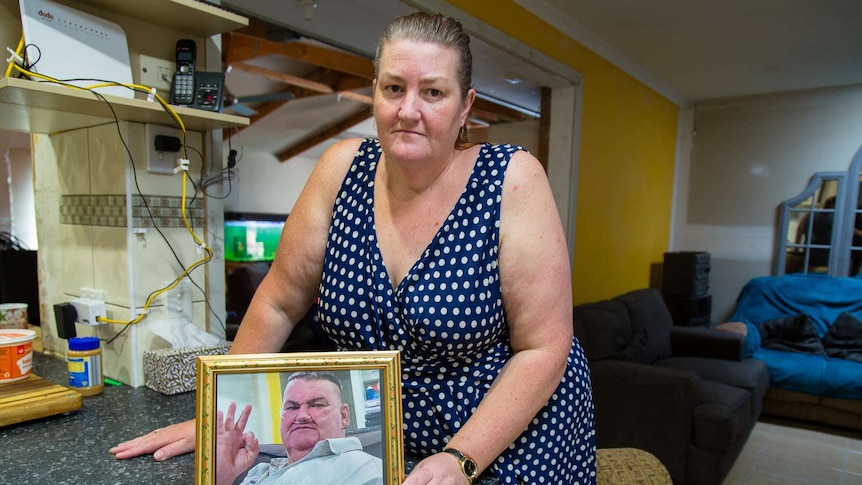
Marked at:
<point>603,328</point>
<point>749,374</point>
<point>722,415</point>
<point>651,324</point>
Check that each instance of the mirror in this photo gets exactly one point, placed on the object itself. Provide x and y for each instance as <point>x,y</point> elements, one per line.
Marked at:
<point>809,231</point>
<point>856,244</point>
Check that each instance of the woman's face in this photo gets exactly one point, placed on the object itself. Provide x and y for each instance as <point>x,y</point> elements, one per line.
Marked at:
<point>418,107</point>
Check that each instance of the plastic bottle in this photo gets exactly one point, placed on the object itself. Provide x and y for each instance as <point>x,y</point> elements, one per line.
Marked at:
<point>84,360</point>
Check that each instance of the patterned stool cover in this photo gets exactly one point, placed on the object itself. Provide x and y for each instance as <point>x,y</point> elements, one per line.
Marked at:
<point>629,466</point>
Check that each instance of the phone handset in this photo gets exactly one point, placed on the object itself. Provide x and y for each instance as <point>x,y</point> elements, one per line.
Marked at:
<point>183,84</point>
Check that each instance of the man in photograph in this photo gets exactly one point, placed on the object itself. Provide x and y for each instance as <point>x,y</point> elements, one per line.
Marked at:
<point>313,423</point>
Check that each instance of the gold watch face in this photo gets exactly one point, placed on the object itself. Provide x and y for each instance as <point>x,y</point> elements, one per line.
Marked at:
<point>470,468</point>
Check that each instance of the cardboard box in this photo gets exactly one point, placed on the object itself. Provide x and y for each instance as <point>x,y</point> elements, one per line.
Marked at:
<point>172,371</point>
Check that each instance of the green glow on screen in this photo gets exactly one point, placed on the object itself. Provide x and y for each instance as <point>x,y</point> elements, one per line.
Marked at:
<point>251,240</point>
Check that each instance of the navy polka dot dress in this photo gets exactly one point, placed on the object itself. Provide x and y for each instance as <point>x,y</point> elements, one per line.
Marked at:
<point>447,319</point>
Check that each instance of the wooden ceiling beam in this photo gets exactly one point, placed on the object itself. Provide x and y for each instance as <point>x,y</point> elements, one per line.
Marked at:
<point>320,136</point>
<point>297,81</point>
<point>504,113</point>
<point>245,47</point>
<point>356,97</point>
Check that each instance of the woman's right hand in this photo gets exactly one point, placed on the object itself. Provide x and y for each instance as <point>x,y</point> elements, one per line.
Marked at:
<point>163,443</point>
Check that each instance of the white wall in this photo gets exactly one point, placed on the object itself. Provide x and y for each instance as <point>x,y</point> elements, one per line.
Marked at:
<point>21,192</point>
<point>263,184</point>
<point>741,159</point>
<point>9,141</point>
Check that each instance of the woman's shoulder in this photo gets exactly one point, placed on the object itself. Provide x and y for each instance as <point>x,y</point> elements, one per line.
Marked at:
<point>336,159</point>
<point>520,161</point>
<point>343,151</point>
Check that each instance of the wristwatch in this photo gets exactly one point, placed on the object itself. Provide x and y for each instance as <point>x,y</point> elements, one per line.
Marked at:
<point>468,466</point>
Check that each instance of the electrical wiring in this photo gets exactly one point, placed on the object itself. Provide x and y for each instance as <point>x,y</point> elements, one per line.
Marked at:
<point>185,178</point>
<point>17,53</point>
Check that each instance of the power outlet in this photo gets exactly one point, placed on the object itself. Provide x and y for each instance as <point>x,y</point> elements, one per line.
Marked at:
<point>158,161</point>
<point>91,294</point>
<point>178,302</point>
<point>157,73</point>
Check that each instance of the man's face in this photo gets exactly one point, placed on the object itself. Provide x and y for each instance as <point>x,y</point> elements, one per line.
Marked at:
<point>311,411</point>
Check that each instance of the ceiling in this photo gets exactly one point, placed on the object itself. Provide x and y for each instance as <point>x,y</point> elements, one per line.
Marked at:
<point>687,50</point>
<point>694,50</point>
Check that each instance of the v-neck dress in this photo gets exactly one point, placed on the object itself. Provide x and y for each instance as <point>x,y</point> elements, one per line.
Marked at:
<point>447,319</point>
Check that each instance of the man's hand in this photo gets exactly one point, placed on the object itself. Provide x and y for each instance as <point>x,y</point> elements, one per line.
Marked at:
<point>235,450</point>
<point>439,469</point>
<point>164,443</point>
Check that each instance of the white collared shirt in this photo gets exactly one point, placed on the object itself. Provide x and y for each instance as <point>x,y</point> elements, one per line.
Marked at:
<point>336,461</point>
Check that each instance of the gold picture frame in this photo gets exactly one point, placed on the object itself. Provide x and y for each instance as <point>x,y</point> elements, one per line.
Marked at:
<point>258,379</point>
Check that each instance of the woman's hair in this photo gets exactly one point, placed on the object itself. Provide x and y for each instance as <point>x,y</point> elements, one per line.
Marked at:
<point>438,29</point>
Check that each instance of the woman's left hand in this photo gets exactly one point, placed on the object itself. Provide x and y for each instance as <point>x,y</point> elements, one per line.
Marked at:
<point>438,469</point>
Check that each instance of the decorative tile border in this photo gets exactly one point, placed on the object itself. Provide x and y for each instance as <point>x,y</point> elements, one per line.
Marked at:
<point>110,211</point>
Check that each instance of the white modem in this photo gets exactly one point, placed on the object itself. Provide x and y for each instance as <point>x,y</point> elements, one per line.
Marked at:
<point>76,45</point>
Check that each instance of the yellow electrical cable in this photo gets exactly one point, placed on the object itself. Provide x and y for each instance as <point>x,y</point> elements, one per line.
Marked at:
<point>173,114</point>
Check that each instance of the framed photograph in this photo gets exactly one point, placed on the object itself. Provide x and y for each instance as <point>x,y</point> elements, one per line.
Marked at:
<point>315,417</point>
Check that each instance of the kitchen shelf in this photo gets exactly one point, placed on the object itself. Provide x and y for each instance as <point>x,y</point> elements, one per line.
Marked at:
<point>190,16</point>
<point>38,107</point>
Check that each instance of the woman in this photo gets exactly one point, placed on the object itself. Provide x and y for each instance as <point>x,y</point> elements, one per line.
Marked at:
<point>453,254</point>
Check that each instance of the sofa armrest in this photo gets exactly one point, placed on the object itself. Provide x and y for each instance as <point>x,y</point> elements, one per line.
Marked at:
<point>646,407</point>
<point>706,342</point>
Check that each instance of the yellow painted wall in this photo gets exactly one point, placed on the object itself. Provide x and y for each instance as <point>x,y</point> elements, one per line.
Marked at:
<point>628,147</point>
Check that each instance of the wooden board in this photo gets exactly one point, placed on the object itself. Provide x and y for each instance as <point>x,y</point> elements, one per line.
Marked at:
<point>34,398</point>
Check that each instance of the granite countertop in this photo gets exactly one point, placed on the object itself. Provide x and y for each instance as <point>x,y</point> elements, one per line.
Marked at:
<point>73,448</point>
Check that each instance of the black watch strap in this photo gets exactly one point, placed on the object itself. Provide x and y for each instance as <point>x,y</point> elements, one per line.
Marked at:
<point>468,465</point>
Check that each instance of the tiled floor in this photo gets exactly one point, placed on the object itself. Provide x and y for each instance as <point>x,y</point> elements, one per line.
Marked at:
<point>784,452</point>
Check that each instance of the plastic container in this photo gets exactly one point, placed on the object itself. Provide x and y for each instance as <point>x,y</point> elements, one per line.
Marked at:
<point>84,360</point>
<point>16,354</point>
<point>13,315</point>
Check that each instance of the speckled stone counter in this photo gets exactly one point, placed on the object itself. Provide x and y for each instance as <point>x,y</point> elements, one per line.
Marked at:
<point>73,448</point>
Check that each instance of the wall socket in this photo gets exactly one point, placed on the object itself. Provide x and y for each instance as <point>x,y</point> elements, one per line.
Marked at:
<point>91,294</point>
<point>157,73</point>
<point>160,162</point>
<point>178,302</point>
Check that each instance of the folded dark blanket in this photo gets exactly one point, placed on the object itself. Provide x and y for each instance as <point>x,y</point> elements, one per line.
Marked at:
<point>844,339</point>
<point>791,334</point>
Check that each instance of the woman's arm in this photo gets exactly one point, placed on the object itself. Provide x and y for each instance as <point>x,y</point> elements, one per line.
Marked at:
<point>536,285</point>
<point>290,286</point>
<point>282,298</point>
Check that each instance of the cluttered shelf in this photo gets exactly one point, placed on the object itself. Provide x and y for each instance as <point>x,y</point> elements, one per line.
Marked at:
<point>192,16</point>
<point>196,17</point>
<point>36,107</point>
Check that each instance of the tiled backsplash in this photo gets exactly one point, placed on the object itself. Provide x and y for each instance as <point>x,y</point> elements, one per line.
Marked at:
<point>110,211</point>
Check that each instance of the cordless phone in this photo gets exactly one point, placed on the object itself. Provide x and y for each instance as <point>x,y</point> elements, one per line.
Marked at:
<point>183,84</point>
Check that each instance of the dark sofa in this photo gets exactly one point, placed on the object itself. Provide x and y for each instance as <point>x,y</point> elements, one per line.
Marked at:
<point>685,394</point>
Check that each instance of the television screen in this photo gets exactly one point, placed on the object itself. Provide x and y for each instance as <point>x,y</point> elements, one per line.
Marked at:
<point>251,237</point>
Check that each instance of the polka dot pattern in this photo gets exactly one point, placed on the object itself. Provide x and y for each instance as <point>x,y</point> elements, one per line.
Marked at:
<point>447,319</point>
